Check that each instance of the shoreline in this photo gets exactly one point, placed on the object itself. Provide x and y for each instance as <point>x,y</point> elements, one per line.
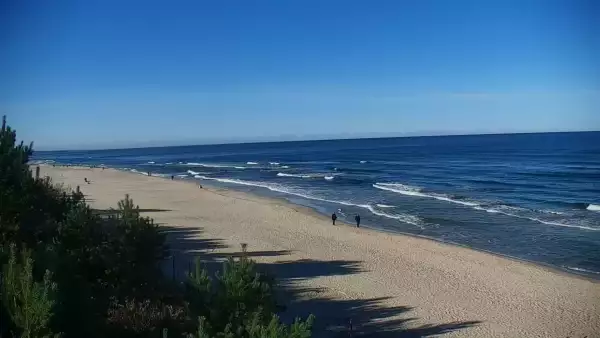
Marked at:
<point>365,227</point>
<point>384,281</point>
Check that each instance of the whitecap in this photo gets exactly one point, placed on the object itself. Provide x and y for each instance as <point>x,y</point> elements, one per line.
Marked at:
<point>413,191</point>
<point>363,162</point>
<point>252,163</point>
<point>274,163</point>
<point>316,175</point>
<point>535,219</point>
<point>151,162</point>
<point>293,175</point>
<point>582,270</point>
<point>191,172</point>
<point>205,165</point>
<point>498,209</point>
<point>593,207</point>
<point>410,219</point>
<point>385,206</point>
<point>285,166</point>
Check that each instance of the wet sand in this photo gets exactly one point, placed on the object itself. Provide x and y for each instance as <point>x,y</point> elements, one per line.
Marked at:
<point>389,285</point>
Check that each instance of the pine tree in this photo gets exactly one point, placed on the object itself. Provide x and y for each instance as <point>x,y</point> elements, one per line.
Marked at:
<point>240,302</point>
<point>28,303</point>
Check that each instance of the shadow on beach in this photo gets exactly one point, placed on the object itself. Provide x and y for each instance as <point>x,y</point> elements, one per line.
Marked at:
<point>334,317</point>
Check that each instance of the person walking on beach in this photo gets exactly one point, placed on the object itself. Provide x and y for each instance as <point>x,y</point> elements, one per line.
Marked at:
<point>333,218</point>
<point>357,219</point>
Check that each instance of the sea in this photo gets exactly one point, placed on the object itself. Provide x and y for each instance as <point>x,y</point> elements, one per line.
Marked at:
<point>534,197</point>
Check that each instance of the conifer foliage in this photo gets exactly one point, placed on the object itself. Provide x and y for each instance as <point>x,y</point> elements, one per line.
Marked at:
<point>69,272</point>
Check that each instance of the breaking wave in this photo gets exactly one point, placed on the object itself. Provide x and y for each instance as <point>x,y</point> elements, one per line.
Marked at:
<point>405,218</point>
<point>582,270</point>
<point>593,207</point>
<point>490,208</point>
<point>205,165</point>
<point>415,191</point>
<point>325,176</point>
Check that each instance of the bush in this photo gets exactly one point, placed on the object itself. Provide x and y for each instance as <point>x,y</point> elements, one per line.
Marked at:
<point>28,304</point>
<point>68,270</point>
<point>239,303</point>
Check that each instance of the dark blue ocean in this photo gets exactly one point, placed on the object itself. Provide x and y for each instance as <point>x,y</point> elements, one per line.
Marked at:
<point>530,196</point>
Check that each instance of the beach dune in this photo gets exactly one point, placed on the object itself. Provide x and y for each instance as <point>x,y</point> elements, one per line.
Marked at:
<point>384,284</point>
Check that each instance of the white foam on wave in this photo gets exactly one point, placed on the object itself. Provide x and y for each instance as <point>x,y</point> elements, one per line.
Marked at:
<point>169,163</point>
<point>498,209</point>
<point>191,172</point>
<point>410,219</point>
<point>501,209</point>
<point>413,191</point>
<point>182,175</point>
<point>385,206</point>
<point>325,176</point>
<point>363,162</point>
<point>252,163</point>
<point>582,270</point>
<point>285,166</point>
<point>552,212</point>
<point>151,162</point>
<point>593,207</point>
<point>205,165</point>
<point>274,163</point>
<point>293,175</point>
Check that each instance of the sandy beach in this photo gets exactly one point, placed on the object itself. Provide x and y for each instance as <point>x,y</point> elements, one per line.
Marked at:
<point>388,285</point>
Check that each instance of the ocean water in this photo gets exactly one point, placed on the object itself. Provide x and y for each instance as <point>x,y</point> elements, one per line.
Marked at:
<point>530,196</point>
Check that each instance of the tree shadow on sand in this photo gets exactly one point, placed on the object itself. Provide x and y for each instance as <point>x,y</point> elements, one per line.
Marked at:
<point>334,317</point>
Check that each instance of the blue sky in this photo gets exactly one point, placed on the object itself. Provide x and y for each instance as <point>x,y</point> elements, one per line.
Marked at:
<point>107,73</point>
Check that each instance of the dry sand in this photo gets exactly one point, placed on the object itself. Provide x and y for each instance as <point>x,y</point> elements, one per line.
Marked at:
<point>389,285</point>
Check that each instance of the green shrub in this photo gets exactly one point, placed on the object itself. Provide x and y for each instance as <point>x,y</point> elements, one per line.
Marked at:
<point>86,275</point>
<point>28,304</point>
<point>239,302</point>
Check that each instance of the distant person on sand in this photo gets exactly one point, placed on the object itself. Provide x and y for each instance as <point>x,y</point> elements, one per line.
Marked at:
<point>333,218</point>
<point>172,177</point>
<point>357,219</point>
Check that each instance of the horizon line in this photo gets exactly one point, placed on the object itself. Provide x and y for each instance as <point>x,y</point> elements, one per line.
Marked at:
<point>324,139</point>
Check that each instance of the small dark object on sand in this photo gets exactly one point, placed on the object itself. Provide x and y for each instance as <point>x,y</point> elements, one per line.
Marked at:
<point>357,219</point>
<point>333,218</point>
